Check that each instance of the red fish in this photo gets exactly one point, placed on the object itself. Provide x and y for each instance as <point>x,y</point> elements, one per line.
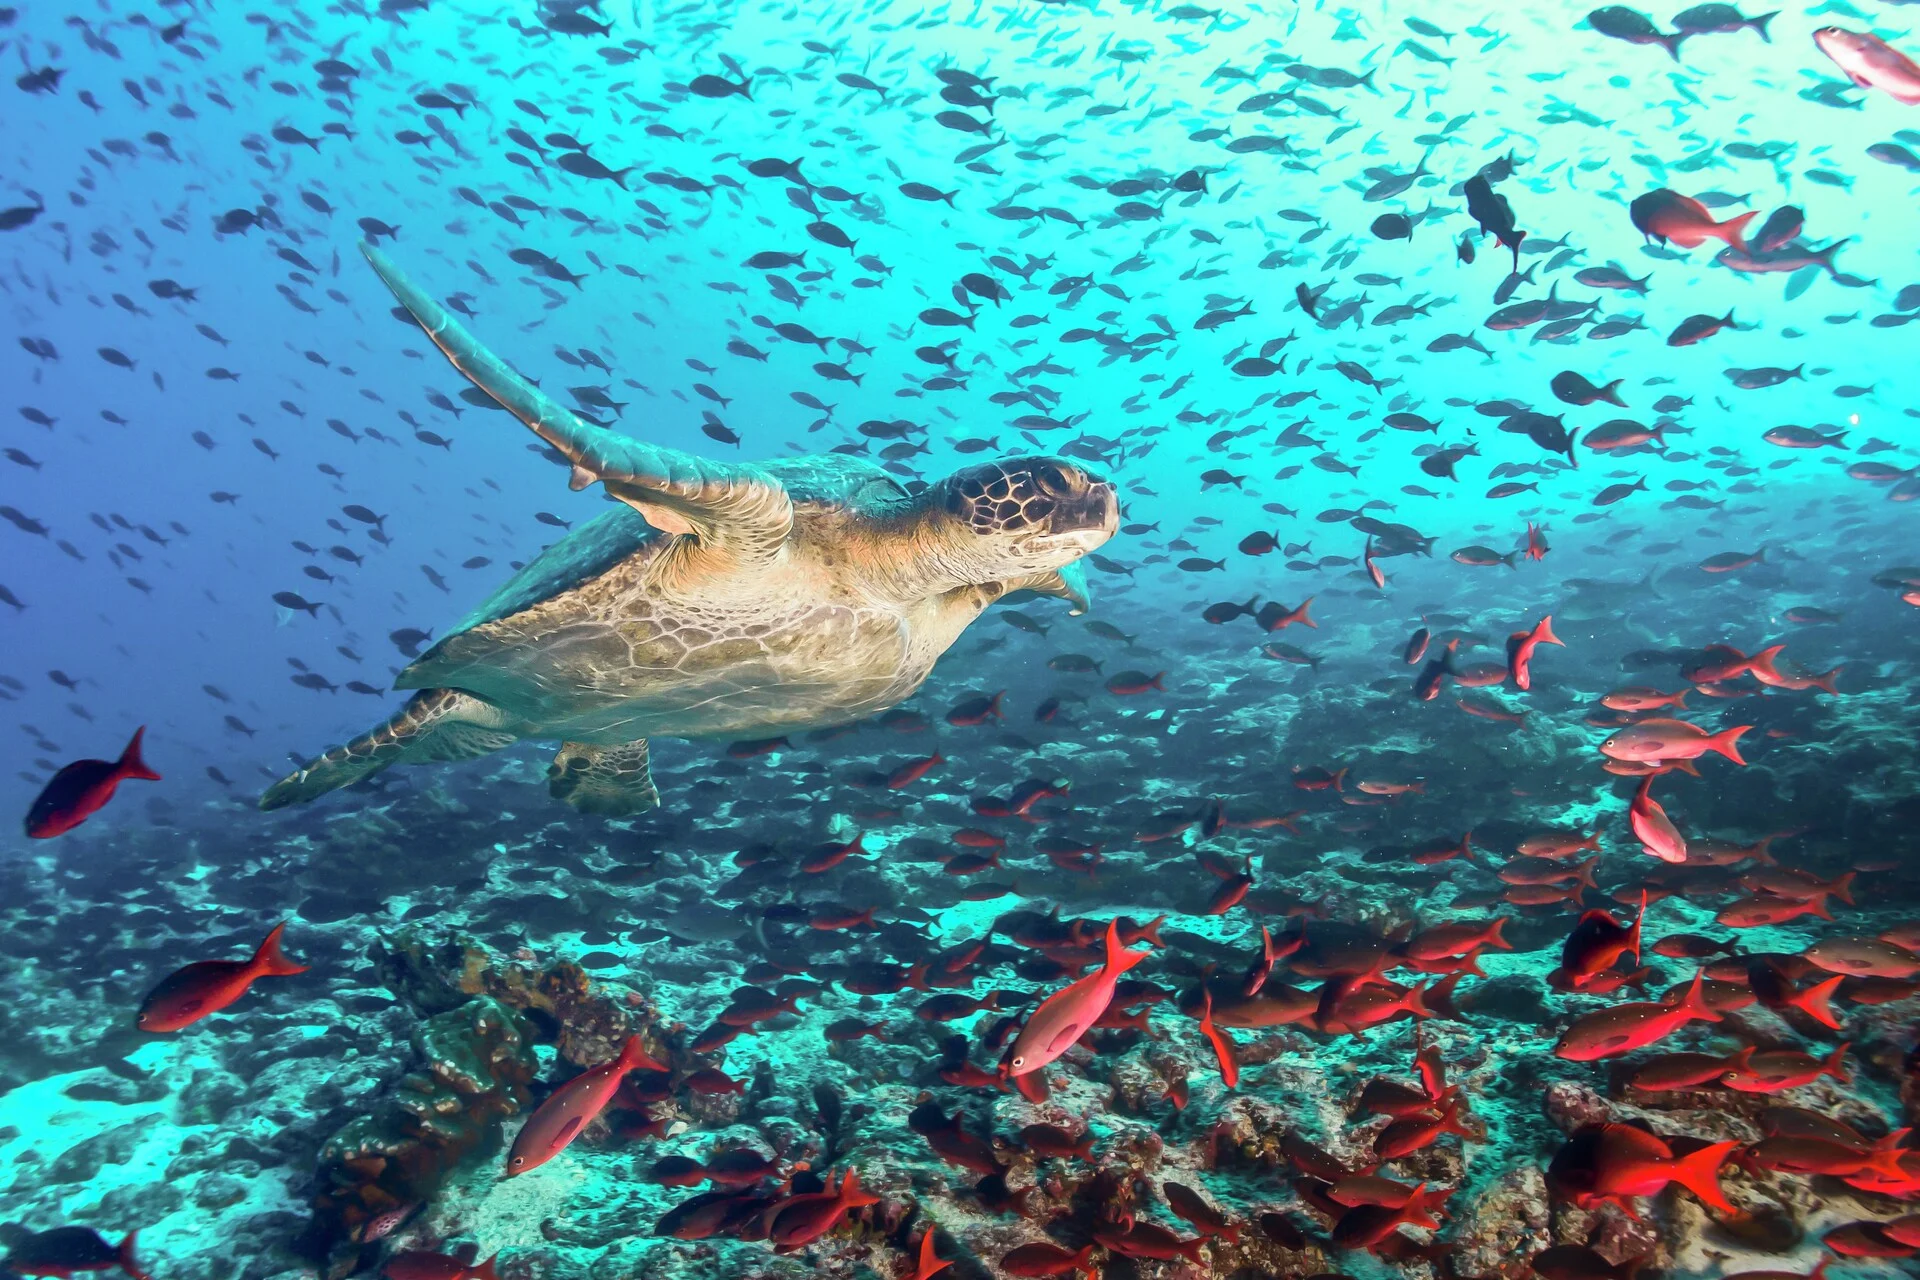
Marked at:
<point>1365,1225</point>
<point>930,1264</point>
<point>69,1251</point>
<point>912,771</point>
<point>1419,1131</point>
<point>1222,1043</point>
<point>1619,1162</point>
<point>1232,890</point>
<point>1641,699</point>
<point>1655,831</point>
<point>976,711</point>
<point>1282,617</point>
<point>1723,662</point>
<point>1622,1028</point>
<point>1148,1240</point>
<point>1044,1259</point>
<point>803,1219</point>
<point>1446,940</point>
<point>1063,1017</point>
<point>827,856</point>
<point>1750,1071</point>
<point>1558,844</point>
<point>1666,215</point>
<point>1520,647</point>
<point>79,790</point>
<point>1131,683</point>
<point>572,1107</point>
<point>418,1264</point>
<point>1658,741</point>
<point>1597,943</point>
<point>207,986</point>
<point>1764,909</point>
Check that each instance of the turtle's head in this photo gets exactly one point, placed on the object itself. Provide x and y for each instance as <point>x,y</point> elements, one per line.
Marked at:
<point>1023,515</point>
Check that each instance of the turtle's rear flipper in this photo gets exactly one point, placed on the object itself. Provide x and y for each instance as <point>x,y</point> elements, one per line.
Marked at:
<point>612,781</point>
<point>436,724</point>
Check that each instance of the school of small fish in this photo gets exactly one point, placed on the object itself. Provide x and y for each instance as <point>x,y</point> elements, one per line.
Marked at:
<point>1462,822</point>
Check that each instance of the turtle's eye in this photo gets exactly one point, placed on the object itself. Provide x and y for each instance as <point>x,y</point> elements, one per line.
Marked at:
<point>1053,479</point>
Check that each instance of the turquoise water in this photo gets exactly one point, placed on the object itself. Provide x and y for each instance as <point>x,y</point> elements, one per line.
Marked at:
<point>1221,258</point>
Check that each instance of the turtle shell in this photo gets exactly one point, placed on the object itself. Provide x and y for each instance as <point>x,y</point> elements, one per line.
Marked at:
<point>830,480</point>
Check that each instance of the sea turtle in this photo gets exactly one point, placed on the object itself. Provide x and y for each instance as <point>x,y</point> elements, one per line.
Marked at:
<point>715,600</point>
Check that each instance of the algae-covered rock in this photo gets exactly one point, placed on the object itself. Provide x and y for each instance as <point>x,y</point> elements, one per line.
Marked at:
<point>476,1061</point>
<point>1503,1226</point>
<point>84,1160</point>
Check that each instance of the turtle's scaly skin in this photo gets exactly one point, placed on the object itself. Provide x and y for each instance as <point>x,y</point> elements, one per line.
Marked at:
<point>719,601</point>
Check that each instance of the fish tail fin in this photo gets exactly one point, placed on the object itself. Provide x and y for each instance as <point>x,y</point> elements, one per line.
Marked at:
<point>1761,663</point>
<point>1119,959</point>
<point>1671,44</point>
<point>1543,633</point>
<point>1734,230</point>
<point>1415,1001</point>
<point>269,960</point>
<point>1151,932</point>
<point>632,1055</point>
<point>1306,621</point>
<point>1611,392</point>
<point>1725,742</point>
<point>123,1256</point>
<point>484,1271</point>
<point>1836,1065</point>
<point>1416,1211</point>
<point>1496,936</point>
<point>1680,699</point>
<point>1826,681</point>
<point>1633,936</point>
<point>1759,25</point>
<point>1699,1172</point>
<point>1695,1000</point>
<point>1842,887</point>
<point>1585,870</point>
<point>1814,1002</point>
<point>130,764</point>
<point>852,1194</point>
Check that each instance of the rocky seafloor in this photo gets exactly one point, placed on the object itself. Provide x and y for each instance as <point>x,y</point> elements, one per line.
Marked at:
<point>471,945</point>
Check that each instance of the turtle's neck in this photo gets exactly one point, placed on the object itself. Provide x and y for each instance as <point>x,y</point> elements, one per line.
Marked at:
<point>924,556</point>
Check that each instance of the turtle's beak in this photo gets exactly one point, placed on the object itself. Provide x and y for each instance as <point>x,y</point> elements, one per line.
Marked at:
<point>1088,518</point>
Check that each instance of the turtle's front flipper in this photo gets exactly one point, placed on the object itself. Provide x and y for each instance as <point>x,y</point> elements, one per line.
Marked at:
<point>737,509</point>
<point>436,724</point>
<point>1068,582</point>
<point>613,781</point>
